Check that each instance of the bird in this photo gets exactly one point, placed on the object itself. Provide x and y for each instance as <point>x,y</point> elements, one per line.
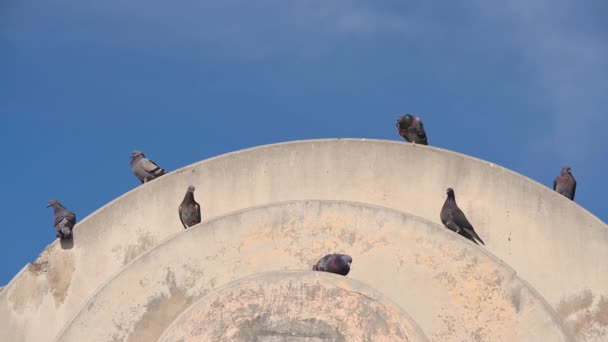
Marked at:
<point>143,168</point>
<point>334,263</point>
<point>64,220</point>
<point>565,183</point>
<point>189,210</point>
<point>410,127</point>
<point>453,218</point>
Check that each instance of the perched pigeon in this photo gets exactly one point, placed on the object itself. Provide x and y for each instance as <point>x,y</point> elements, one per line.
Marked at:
<point>410,127</point>
<point>565,183</point>
<point>334,263</point>
<point>453,218</point>
<point>144,168</point>
<point>64,220</point>
<point>189,210</point>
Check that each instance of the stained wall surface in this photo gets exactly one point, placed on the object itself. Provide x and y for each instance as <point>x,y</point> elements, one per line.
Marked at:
<point>455,290</point>
<point>294,306</point>
<point>536,231</point>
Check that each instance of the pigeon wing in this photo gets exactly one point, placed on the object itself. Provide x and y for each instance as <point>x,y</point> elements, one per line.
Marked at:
<point>198,211</point>
<point>322,264</point>
<point>421,133</point>
<point>58,218</point>
<point>179,210</point>
<point>72,218</point>
<point>461,220</point>
<point>149,165</point>
<point>555,183</point>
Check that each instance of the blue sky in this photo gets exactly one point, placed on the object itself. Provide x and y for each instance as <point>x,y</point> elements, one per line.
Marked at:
<point>83,83</point>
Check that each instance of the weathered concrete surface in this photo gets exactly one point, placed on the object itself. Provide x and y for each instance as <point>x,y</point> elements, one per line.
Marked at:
<point>455,290</point>
<point>294,306</point>
<point>541,234</point>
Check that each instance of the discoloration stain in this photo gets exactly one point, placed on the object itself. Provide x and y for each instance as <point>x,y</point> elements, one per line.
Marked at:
<point>158,311</point>
<point>262,328</point>
<point>28,294</point>
<point>49,273</point>
<point>292,306</point>
<point>516,297</point>
<point>602,312</point>
<point>576,303</point>
<point>41,265</point>
<point>144,242</point>
<point>60,276</point>
<point>473,285</point>
<point>586,314</point>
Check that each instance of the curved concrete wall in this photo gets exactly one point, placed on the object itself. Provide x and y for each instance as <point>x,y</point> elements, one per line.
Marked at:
<point>455,290</point>
<point>302,305</point>
<point>541,234</point>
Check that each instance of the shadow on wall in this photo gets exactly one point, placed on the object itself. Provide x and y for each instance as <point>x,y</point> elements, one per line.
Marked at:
<point>67,244</point>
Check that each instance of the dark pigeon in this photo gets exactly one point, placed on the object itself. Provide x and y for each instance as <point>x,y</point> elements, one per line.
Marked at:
<point>64,220</point>
<point>189,210</point>
<point>144,168</point>
<point>410,127</point>
<point>334,263</point>
<point>453,218</point>
<point>565,183</point>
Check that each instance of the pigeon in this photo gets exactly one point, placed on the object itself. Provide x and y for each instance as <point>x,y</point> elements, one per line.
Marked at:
<point>410,127</point>
<point>565,183</point>
<point>189,210</point>
<point>64,220</point>
<point>453,218</point>
<point>334,263</point>
<point>144,168</point>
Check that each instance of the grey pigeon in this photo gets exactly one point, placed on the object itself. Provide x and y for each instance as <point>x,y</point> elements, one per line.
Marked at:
<point>144,168</point>
<point>410,127</point>
<point>334,263</point>
<point>565,183</point>
<point>453,218</point>
<point>189,210</point>
<point>64,220</point>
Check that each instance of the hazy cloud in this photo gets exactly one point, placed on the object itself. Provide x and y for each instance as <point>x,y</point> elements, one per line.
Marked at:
<point>229,28</point>
<point>571,66</point>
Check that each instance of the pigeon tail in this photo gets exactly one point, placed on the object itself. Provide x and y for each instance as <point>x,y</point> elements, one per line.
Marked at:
<point>474,234</point>
<point>66,233</point>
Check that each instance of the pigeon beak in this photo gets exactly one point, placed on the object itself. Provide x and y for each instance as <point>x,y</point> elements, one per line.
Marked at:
<point>48,205</point>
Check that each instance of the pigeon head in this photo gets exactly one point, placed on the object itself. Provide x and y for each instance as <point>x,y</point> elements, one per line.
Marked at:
<point>136,154</point>
<point>450,193</point>
<point>53,203</point>
<point>340,264</point>
<point>566,169</point>
<point>189,197</point>
<point>403,121</point>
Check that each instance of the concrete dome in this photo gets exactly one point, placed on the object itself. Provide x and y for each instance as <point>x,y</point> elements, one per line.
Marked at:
<point>552,243</point>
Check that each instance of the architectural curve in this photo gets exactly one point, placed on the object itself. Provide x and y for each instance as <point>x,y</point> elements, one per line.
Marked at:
<point>303,305</point>
<point>512,213</point>
<point>453,289</point>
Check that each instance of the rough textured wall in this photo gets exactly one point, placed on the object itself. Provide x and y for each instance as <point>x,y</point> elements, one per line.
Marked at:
<point>454,290</point>
<point>294,306</point>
